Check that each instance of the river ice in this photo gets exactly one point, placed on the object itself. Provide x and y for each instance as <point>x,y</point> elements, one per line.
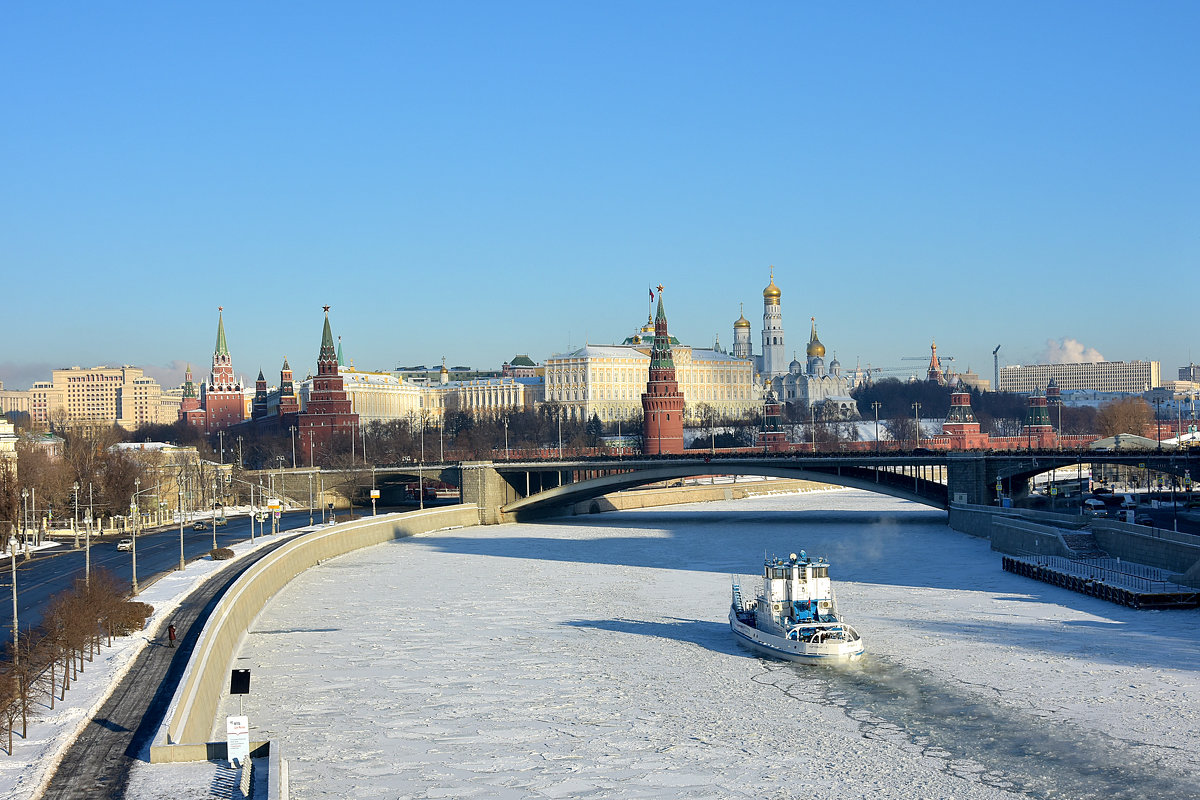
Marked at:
<point>591,657</point>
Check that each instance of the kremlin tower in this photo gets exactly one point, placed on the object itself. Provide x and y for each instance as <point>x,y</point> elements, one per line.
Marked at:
<point>774,359</point>
<point>288,404</point>
<point>328,416</point>
<point>221,398</point>
<point>662,402</point>
<point>1038,432</point>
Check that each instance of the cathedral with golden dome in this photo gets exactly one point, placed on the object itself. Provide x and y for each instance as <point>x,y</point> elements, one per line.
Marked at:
<point>809,383</point>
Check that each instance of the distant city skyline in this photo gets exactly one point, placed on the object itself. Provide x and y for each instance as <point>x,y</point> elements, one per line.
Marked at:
<point>476,182</point>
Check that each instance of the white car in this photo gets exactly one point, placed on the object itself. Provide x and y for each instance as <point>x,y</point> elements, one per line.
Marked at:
<point>125,544</point>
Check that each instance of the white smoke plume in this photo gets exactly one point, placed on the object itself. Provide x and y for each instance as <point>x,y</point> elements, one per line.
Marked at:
<point>1068,351</point>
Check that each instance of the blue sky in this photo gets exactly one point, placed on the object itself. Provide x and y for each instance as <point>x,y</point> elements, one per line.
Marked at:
<point>483,179</point>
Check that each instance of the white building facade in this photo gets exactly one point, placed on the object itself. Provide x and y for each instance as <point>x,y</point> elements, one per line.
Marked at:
<point>1096,376</point>
<point>607,381</point>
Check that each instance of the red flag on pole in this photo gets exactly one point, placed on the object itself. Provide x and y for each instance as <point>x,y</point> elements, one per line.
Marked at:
<point>651,295</point>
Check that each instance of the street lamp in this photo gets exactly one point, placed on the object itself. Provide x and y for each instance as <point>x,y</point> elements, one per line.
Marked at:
<point>16,629</point>
<point>1158,420</point>
<point>917,419</point>
<point>182,561</point>
<point>75,492</point>
<point>24,515</point>
<point>214,513</point>
<point>812,425</point>
<point>506,438</point>
<point>875,405</point>
<point>133,512</point>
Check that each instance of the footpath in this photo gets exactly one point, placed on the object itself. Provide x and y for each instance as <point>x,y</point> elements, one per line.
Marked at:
<point>116,691</point>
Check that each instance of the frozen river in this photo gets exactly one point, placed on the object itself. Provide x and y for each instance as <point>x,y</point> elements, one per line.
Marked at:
<point>590,657</point>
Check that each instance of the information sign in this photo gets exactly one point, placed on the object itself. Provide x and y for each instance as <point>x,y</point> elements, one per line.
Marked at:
<point>237,738</point>
<point>374,494</point>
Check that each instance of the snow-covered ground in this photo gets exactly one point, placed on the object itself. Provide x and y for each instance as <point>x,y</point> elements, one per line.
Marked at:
<point>590,657</point>
<point>23,774</point>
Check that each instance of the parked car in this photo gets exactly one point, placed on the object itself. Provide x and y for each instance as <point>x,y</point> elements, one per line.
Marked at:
<point>125,544</point>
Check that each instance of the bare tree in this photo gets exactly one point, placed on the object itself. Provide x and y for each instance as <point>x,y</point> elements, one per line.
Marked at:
<point>1124,415</point>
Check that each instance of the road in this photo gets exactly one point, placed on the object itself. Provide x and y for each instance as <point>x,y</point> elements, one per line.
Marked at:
<point>49,572</point>
<point>98,763</point>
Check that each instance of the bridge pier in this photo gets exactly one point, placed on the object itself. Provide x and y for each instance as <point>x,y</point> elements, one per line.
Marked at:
<point>967,479</point>
<point>486,488</point>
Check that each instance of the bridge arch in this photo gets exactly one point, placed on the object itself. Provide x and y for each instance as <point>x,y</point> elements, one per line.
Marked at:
<point>908,487</point>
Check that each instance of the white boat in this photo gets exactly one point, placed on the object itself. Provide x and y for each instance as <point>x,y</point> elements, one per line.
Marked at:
<point>795,617</point>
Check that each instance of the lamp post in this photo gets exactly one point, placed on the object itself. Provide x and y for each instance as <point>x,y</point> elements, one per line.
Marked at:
<point>182,561</point>
<point>310,510</point>
<point>24,515</point>
<point>917,420</point>
<point>241,461</point>
<point>133,511</point>
<point>12,559</point>
<point>214,513</point>
<point>75,494</point>
<point>875,405</point>
<point>1158,421</point>
<point>506,438</point>
<point>374,513</point>
<point>560,413</point>
<point>812,425</point>
<point>421,472</point>
<point>221,440</point>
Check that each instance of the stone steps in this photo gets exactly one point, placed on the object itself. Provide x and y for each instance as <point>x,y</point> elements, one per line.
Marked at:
<point>1083,545</point>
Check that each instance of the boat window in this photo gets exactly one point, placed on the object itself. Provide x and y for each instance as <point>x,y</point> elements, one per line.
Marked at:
<point>822,572</point>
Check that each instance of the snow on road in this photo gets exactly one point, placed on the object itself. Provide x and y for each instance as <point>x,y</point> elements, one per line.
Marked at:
<point>590,657</point>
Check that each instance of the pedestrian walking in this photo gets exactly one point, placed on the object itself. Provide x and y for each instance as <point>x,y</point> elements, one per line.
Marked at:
<point>171,634</point>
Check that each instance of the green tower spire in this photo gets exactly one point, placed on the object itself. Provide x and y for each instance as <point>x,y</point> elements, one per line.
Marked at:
<point>222,348</point>
<point>327,353</point>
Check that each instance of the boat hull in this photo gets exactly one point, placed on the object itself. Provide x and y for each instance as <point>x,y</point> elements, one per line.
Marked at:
<point>790,649</point>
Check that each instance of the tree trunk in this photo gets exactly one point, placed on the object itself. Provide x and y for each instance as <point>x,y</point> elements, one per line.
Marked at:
<point>52,684</point>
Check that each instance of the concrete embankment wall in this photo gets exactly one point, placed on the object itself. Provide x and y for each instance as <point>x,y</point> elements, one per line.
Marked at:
<point>190,720</point>
<point>704,493</point>
<point>1178,552</point>
<point>1018,531</point>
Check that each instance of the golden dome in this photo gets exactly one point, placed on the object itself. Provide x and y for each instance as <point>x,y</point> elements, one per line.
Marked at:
<point>742,322</point>
<point>771,294</point>
<point>815,349</point>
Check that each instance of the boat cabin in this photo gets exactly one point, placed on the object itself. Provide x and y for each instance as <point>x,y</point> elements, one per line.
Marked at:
<point>797,590</point>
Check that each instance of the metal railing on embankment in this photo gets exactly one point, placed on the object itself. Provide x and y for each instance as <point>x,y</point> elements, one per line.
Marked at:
<point>1134,585</point>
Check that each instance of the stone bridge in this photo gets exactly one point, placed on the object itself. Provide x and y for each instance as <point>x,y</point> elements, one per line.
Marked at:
<point>508,490</point>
